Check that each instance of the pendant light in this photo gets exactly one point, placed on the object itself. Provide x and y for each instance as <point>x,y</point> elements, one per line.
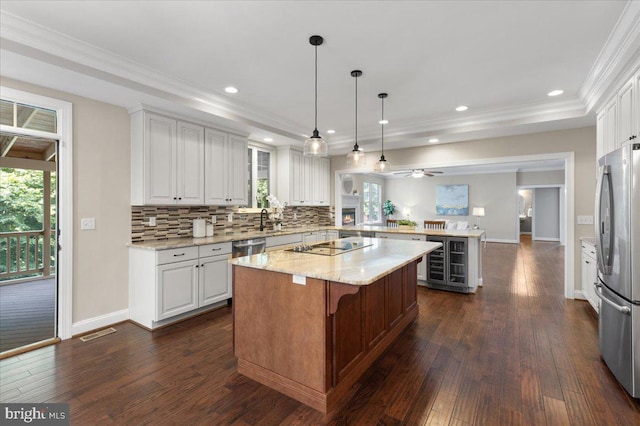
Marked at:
<point>315,146</point>
<point>356,156</point>
<point>382,165</point>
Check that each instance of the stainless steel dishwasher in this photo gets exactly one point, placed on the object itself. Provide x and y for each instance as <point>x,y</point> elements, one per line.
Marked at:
<point>248,247</point>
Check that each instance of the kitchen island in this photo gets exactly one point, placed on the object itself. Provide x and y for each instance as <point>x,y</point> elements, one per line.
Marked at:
<point>309,323</point>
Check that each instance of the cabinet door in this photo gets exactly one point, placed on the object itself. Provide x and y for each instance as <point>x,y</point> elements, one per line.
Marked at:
<point>177,288</point>
<point>321,186</point>
<point>310,237</point>
<point>159,160</point>
<point>296,184</point>
<point>215,184</point>
<point>610,124</point>
<point>588,278</point>
<point>332,235</point>
<point>214,277</point>
<point>636,115</point>
<point>307,180</point>
<point>237,160</point>
<point>626,111</point>
<point>190,164</point>
<point>600,148</point>
<point>457,262</point>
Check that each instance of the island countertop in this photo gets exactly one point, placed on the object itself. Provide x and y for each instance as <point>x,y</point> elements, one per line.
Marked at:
<point>358,267</point>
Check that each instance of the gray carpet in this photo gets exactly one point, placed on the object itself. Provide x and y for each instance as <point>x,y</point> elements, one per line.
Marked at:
<point>27,313</point>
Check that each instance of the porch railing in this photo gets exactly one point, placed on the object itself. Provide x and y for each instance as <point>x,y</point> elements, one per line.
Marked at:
<point>25,254</point>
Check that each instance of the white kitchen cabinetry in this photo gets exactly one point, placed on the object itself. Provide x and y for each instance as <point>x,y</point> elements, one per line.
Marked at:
<point>225,168</point>
<point>278,242</point>
<point>321,182</point>
<point>302,181</point>
<point>167,164</point>
<point>422,266</point>
<point>167,285</point>
<point>589,273</point>
<point>618,122</point>
<point>328,235</point>
<point>310,237</point>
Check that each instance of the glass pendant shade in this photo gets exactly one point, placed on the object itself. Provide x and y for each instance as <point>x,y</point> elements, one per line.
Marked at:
<point>315,146</point>
<point>381,166</point>
<point>356,157</point>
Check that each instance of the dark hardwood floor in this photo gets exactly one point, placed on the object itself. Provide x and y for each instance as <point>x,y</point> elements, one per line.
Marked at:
<point>515,353</point>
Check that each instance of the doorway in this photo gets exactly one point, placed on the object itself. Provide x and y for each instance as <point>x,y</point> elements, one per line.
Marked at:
<point>541,213</point>
<point>35,153</point>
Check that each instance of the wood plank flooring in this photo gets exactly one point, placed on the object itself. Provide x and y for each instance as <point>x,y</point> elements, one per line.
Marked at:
<point>515,353</point>
<point>27,313</point>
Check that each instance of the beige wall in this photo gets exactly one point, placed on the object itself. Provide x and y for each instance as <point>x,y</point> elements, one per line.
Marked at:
<point>101,182</point>
<point>496,192</point>
<point>582,142</point>
<point>551,177</point>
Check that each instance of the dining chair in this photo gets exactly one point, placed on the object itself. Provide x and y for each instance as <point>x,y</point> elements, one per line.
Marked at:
<point>434,224</point>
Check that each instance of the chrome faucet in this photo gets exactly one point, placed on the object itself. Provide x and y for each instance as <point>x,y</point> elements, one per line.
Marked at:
<point>266,215</point>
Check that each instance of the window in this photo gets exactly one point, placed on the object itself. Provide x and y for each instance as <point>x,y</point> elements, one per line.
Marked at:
<point>259,183</point>
<point>372,202</point>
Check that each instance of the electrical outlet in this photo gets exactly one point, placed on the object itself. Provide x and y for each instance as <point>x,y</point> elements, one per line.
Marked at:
<point>152,221</point>
<point>88,223</point>
<point>230,217</point>
<point>585,220</point>
<point>214,219</point>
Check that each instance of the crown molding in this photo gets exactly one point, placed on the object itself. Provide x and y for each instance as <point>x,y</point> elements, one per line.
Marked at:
<point>617,60</point>
<point>41,43</point>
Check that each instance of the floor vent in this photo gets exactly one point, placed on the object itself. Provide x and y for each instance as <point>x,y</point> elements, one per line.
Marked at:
<point>98,334</point>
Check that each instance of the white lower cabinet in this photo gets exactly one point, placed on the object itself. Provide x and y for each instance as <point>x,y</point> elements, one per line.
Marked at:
<point>589,274</point>
<point>166,285</point>
<point>328,235</point>
<point>310,237</point>
<point>422,266</point>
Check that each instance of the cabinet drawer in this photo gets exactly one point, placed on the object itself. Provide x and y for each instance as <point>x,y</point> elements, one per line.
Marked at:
<point>176,255</point>
<point>214,249</point>
<point>280,240</point>
<point>589,250</point>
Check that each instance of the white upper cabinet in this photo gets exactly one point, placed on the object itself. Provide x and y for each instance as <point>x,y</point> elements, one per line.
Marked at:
<point>190,164</point>
<point>225,168</point>
<point>166,161</point>
<point>174,162</point>
<point>302,181</point>
<point>618,122</point>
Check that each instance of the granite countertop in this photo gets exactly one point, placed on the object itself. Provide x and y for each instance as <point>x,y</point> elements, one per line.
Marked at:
<point>589,240</point>
<point>466,233</point>
<point>173,243</point>
<point>358,267</point>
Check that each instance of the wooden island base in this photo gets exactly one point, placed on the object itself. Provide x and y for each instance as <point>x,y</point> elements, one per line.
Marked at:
<point>313,341</point>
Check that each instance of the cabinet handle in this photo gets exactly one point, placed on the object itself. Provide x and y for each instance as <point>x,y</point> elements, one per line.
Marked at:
<point>178,255</point>
<point>587,262</point>
<point>416,239</point>
<point>174,198</point>
<point>179,198</point>
<point>216,249</point>
<point>202,265</point>
<point>197,266</point>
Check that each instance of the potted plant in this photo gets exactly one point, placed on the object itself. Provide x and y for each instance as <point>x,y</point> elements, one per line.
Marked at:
<point>278,211</point>
<point>388,208</point>
<point>405,223</point>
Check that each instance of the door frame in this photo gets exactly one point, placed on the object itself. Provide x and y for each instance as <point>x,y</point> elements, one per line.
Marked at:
<point>562,209</point>
<point>64,135</point>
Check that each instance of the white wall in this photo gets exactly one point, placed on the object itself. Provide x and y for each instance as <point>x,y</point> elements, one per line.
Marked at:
<point>546,214</point>
<point>495,192</point>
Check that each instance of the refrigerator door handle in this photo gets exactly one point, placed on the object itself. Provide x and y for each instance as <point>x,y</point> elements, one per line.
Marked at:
<point>604,258</point>
<point>621,309</point>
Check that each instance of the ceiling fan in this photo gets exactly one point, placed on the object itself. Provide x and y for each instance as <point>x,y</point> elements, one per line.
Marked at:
<point>418,173</point>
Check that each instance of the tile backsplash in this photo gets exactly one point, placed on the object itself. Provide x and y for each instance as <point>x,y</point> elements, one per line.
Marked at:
<point>177,221</point>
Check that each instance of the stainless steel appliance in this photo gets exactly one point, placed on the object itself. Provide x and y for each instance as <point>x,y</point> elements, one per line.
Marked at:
<point>618,253</point>
<point>248,247</point>
<point>355,233</point>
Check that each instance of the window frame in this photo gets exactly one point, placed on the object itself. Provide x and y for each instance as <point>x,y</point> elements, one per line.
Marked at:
<point>255,147</point>
<point>366,199</point>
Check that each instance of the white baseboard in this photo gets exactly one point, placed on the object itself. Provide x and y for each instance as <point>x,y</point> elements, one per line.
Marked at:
<point>578,294</point>
<point>101,321</point>
<point>501,240</point>
<point>556,240</point>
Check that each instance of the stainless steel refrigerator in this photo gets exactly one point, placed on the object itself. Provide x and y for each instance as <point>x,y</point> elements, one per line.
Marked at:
<point>618,253</point>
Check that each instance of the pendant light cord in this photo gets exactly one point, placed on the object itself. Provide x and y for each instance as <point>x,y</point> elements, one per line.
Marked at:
<point>316,90</point>
<point>355,147</point>
<point>382,131</point>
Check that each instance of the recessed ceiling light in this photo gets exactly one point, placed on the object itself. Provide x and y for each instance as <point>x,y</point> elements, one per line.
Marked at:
<point>555,92</point>
<point>331,131</point>
<point>383,122</point>
<point>462,108</point>
<point>434,140</point>
<point>268,139</point>
<point>230,89</point>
